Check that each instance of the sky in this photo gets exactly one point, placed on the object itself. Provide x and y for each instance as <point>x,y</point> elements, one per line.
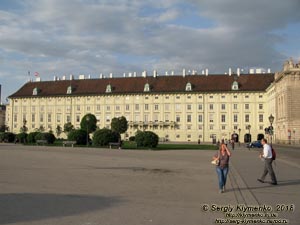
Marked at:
<point>63,37</point>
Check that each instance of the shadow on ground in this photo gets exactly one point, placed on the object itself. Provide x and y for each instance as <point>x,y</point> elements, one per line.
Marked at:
<point>30,207</point>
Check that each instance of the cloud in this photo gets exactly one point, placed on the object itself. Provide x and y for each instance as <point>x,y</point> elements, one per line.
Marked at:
<point>95,36</point>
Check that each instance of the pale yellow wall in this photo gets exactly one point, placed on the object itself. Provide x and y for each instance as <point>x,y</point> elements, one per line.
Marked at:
<point>169,106</point>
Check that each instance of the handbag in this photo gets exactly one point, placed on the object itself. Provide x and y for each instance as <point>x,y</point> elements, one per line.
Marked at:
<point>216,161</point>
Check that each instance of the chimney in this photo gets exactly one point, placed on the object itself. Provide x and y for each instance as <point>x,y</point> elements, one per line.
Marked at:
<point>238,71</point>
<point>269,70</point>
<point>167,73</point>
<point>124,74</point>
<point>183,73</point>
<point>54,78</point>
<point>229,72</point>
<point>206,72</point>
<point>193,72</point>
<point>144,73</point>
<point>71,77</point>
<point>63,77</point>
<point>203,72</point>
<point>154,73</point>
<point>251,71</point>
<point>110,75</point>
<point>172,72</point>
<point>134,74</point>
<point>81,77</point>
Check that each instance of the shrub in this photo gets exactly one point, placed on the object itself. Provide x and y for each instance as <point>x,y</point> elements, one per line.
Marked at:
<point>22,137</point>
<point>78,135</point>
<point>31,137</point>
<point>132,138</point>
<point>103,136</point>
<point>7,137</point>
<point>146,139</point>
<point>50,138</point>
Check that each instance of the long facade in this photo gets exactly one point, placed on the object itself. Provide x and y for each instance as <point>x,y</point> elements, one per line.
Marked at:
<point>178,108</point>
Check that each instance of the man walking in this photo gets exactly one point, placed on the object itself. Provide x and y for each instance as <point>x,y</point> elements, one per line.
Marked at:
<point>267,156</point>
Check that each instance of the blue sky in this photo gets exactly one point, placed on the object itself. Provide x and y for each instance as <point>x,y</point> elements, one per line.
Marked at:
<point>63,37</point>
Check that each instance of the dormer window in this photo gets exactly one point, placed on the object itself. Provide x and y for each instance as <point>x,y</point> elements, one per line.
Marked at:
<point>146,87</point>
<point>35,91</point>
<point>235,86</point>
<point>69,90</point>
<point>188,87</point>
<point>108,88</point>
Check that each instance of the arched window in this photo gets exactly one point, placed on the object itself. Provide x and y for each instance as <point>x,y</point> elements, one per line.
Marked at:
<point>235,86</point>
<point>69,90</point>
<point>188,87</point>
<point>108,88</point>
<point>146,87</point>
<point>35,91</point>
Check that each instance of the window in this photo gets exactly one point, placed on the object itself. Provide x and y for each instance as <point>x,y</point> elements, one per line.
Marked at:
<point>261,127</point>
<point>211,96</point>
<point>235,106</point>
<point>167,97</point>
<point>189,107</point>
<point>211,106</point>
<point>211,127</point>
<point>200,107</point>
<point>88,108</point>
<point>146,97</point>
<point>235,127</point>
<point>78,108</point>
<point>260,96</point>
<point>177,136</point>
<point>247,96</point>
<point>166,117</point>
<point>223,118</point>
<point>35,91</point>
<point>189,97</point>
<point>189,136</point>
<point>155,117</point>
<point>235,96</point>
<point>127,107</point>
<point>189,127</point>
<point>117,108</point>
<point>177,118</point>
<point>15,117</point>
<point>211,118</point>
<point>108,108</point>
<point>200,118</point>
<point>235,86</point>
<point>260,106</point>
<point>156,97</point>
<point>223,127</point>
<point>261,118</point>
<point>167,107</point>
<point>177,97</point>
<point>155,107</point>
<point>146,107</point>
<point>223,106</point>
<point>41,118</point>
<point>177,106</point>
<point>77,118</point>
<point>247,106</point>
<point>107,119</point>
<point>235,118</point>
<point>200,96</point>
<point>68,118</point>
<point>200,127</point>
<point>223,96</point>
<point>188,87</point>
<point>108,88</point>
<point>58,118</point>
<point>137,107</point>
<point>247,118</point>
<point>189,118</point>
<point>32,117</point>
<point>146,87</point>
<point>146,118</point>
<point>32,109</point>
<point>69,90</point>
<point>137,118</point>
<point>98,107</point>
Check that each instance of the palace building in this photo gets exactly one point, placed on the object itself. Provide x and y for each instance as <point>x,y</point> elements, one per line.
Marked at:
<point>177,107</point>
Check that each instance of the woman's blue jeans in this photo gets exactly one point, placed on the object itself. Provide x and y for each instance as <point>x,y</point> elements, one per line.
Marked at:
<point>222,175</point>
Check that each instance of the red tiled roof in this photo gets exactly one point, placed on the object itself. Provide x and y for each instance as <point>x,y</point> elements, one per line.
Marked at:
<point>160,84</point>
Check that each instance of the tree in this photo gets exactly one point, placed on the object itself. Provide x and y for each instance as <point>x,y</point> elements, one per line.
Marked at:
<point>119,125</point>
<point>147,139</point>
<point>78,135</point>
<point>3,128</point>
<point>103,136</point>
<point>58,130</point>
<point>40,129</point>
<point>89,123</point>
<point>68,127</point>
<point>24,129</point>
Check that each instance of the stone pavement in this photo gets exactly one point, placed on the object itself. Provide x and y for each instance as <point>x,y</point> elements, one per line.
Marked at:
<point>53,185</point>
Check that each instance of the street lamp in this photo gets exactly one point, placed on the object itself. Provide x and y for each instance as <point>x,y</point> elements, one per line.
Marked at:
<point>239,136</point>
<point>249,127</point>
<point>87,130</point>
<point>294,132</point>
<point>271,120</point>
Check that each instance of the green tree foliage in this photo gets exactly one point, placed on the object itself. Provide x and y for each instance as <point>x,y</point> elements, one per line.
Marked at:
<point>146,139</point>
<point>78,135</point>
<point>103,136</point>
<point>31,137</point>
<point>58,130</point>
<point>22,137</point>
<point>68,127</point>
<point>89,123</point>
<point>50,138</point>
<point>119,125</point>
<point>3,128</point>
<point>7,137</point>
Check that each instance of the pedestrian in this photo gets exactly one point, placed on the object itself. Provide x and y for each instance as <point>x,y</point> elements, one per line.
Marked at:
<point>222,168</point>
<point>232,144</point>
<point>266,155</point>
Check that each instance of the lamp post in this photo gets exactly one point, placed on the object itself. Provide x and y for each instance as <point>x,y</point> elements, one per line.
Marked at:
<point>239,136</point>
<point>249,127</point>
<point>87,130</point>
<point>294,133</point>
<point>271,120</point>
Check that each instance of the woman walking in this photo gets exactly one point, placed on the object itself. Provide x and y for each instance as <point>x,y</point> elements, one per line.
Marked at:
<point>223,166</point>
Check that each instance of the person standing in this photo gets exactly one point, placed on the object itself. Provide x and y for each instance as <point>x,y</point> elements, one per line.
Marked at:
<point>223,167</point>
<point>232,144</point>
<point>266,155</point>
